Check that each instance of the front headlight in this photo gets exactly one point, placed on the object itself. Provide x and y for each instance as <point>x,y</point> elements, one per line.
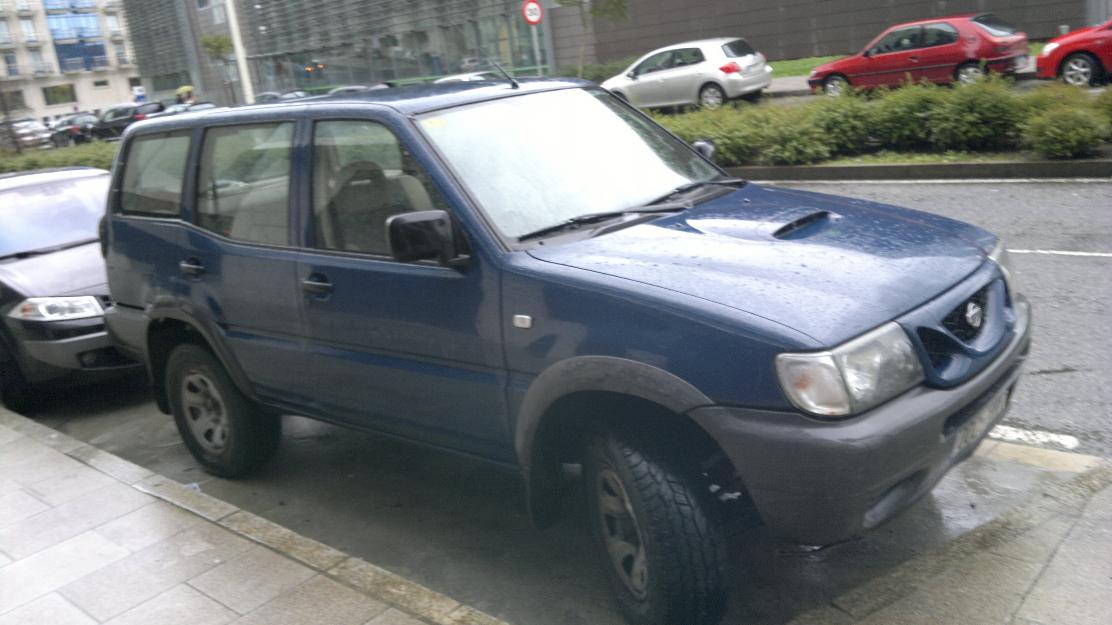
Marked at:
<point>999,255</point>
<point>57,308</point>
<point>1048,48</point>
<point>854,376</point>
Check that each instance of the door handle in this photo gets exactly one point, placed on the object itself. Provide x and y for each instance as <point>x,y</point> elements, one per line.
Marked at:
<point>316,284</point>
<point>913,59</point>
<point>191,267</point>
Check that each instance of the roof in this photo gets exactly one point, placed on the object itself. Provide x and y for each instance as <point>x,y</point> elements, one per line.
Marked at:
<point>408,100</point>
<point>19,179</point>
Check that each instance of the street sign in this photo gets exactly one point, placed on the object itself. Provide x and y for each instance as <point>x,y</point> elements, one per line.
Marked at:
<point>532,12</point>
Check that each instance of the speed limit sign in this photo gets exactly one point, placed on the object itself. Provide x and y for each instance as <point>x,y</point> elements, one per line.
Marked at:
<point>532,12</point>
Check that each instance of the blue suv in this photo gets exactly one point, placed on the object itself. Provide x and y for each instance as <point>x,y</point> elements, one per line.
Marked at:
<point>537,274</point>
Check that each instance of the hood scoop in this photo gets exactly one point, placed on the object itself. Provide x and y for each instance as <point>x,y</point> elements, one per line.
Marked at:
<point>805,225</point>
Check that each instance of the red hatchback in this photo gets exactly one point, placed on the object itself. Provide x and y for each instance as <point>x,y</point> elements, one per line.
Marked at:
<point>1080,58</point>
<point>940,50</point>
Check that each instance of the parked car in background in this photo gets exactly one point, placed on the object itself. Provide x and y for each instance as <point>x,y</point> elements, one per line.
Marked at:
<point>274,96</point>
<point>72,129</point>
<point>177,109</point>
<point>1081,58</point>
<point>537,274</point>
<point>29,133</point>
<point>358,88</point>
<point>113,121</point>
<point>53,288</point>
<point>941,50</point>
<point>705,73</point>
<point>470,77</point>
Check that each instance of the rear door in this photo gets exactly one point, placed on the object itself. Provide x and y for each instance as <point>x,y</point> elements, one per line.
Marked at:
<point>890,60</point>
<point>940,54</point>
<point>410,348</point>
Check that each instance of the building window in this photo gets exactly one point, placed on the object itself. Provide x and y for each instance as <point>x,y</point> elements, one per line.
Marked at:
<point>121,53</point>
<point>114,25</point>
<point>134,81</point>
<point>218,14</point>
<point>83,55</point>
<point>202,4</point>
<point>73,25</point>
<point>27,27</point>
<point>59,94</point>
<point>10,64</point>
<point>15,100</point>
<point>100,84</point>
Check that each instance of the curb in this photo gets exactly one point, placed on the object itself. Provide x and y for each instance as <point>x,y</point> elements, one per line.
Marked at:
<point>795,93</point>
<point>376,582</point>
<point>1003,170</point>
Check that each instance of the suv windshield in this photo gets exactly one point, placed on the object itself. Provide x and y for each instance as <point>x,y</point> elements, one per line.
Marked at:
<point>539,159</point>
<point>994,25</point>
<point>51,215</point>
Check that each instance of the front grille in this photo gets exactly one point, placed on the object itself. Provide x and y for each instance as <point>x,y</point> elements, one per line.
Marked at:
<point>957,323</point>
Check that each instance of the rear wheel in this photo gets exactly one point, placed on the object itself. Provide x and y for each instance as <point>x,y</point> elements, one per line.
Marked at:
<point>969,73</point>
<point>222,429</point>
<point>835,85</point>
<point>711,96</point>
<point>662,537</point>
<point>15,392</point>
<point>1080,70</point>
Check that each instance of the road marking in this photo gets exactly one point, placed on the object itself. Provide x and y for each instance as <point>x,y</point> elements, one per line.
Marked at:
<point>945,181</point>
<point>1063,253</point>
<point>1037,438</point>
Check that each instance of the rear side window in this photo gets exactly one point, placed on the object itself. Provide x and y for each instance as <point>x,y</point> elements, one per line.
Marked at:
<point>153,175</point>
<point>939,34</point>
<point>687,56</point>
<point>244,186</point>
<point>738,47</point>
<point>994,25</point>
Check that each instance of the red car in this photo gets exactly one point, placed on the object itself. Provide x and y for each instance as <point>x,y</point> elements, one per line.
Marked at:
<point>1080,58</point>
<point>940,50</point>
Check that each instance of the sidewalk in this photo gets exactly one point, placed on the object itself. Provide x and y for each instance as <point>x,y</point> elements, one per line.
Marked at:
<point>87,537</point>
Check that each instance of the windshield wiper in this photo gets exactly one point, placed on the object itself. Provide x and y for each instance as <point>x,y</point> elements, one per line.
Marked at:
<point>690,186</point>
<point>592,218</point>
<point>47,250</point>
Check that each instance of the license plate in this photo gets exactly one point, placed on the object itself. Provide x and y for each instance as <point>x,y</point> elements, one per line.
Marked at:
<point>972,430</point>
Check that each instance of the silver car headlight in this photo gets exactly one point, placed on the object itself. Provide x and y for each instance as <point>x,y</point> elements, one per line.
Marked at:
<point>1000,256</point>
<point>57,308</point>
<point>853,377</point>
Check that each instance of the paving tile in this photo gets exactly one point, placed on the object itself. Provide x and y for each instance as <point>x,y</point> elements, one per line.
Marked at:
<point>148,525</point>
<point>826,615</point>
<point>50,527</point>
<point>237,583</point>
<point>1038,544</point>
<point>1100,508</point>
<point>283,540</point>
<point>181,605</point>
<point>1082,568</point>
<point>18,506</point>
<point>26,461</point>
<point>1049,459</point>
<point>50,609</point>
<point>44,572</point>
<point>466,615</point>
<point>199,503</point>
<point>394,616</point>
<point>70,485</point>
<point>7,434</point>
<point>117,467</point>
<point>4,559</point>
<point>392,588</point>
<point>135,579</point>
<point>8,487</point>
<point>319,601</point>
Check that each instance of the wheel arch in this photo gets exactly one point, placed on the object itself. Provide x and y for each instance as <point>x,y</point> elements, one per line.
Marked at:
<point>576,396</point>
<point>1097,65</point>
<point>711,83</point>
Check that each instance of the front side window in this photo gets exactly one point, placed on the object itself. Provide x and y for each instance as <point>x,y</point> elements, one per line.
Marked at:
<point>244,186</point>
<point>899,40</point>
<point>362,176</point>
<point>655,63</point>
<point>536,160</point>
<point>153,174</point>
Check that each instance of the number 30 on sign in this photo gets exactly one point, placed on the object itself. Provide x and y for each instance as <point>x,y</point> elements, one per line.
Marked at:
<point>532,12</point>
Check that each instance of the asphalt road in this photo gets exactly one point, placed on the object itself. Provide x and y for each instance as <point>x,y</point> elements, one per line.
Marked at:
<point>459,526</point>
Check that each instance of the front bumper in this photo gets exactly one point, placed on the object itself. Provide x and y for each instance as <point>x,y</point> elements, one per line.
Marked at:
<point>819,482</point>
<point>1045,68</point>
<point>48,351</point>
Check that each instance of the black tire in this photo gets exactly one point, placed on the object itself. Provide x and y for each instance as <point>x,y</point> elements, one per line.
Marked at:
<point>969,72</point>
<point>711,96</point>
<point>61,141</point>
<point>223,430</point>
<point>1080,69</point>
<point>676,574</point>
<point>835,85</point>
<point>15,392</point>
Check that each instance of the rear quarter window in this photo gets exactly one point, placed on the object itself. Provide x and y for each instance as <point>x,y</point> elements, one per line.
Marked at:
<point>737,48</point>
<point>153,175</point>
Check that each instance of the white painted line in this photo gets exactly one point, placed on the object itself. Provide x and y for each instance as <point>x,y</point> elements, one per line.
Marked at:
<point>945,181</point>
<point>1038,438</point>
<point>1063,253</point>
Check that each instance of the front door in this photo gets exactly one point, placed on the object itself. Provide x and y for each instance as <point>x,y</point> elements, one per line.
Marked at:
<point>679,84</point>
<point>410,348</point>
<point>647,90</point>
<point>891,59</point>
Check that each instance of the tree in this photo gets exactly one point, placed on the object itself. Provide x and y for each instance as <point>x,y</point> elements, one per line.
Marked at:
<point>609,9</point>
<point>217,47</point>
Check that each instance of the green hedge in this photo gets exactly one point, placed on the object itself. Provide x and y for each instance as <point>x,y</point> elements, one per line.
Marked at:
<point>97,154</point>
<point>1055,121</point>
<point>598,72</point>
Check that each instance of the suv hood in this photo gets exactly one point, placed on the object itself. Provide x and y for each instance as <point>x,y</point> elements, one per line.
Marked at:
<point>74,271</point>
<point>826,266</point>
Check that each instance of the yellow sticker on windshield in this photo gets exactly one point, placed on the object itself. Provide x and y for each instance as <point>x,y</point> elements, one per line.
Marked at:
<point>433,122</point>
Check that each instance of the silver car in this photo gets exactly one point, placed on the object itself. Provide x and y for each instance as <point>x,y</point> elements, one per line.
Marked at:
<point>705,73</point>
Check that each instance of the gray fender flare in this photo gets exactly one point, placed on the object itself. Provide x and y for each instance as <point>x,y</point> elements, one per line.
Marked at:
<point>578,374</point>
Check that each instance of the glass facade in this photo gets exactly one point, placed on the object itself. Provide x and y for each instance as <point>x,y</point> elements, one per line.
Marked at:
<point>306,44</point>
<point>77,38</point>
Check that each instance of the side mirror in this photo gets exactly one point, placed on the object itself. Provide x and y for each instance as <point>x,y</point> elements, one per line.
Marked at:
<point>867,53</point>
<point>632,75</point>
<point>423,235</point>
<point>706,148</point>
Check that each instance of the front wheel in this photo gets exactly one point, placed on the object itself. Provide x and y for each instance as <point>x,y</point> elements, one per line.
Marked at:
<point>1079,70</point>
<point>662,538</point>
<point>835,85</point>
<point>711,96</point>
<point>15,392</point>
<point>222,429</point>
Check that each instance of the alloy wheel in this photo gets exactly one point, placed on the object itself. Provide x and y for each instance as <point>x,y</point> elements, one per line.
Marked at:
<point>970,73</point>
<point>1078,71</point>
<point>711,98</point>
<point>625,543</point>
<point>205,412</point>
